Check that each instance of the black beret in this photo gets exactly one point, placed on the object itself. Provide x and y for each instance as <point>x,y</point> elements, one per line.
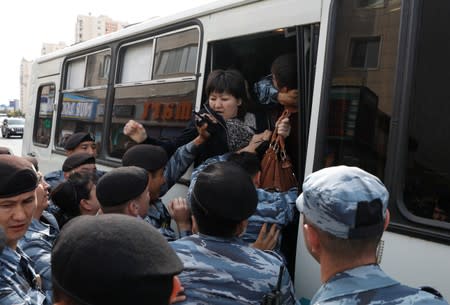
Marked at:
<point>113,259</point>
<point>121,185</point>
<point>74,140</point>
<point>224,190</point>
<point>77,159</point>
<point>17,176</point>
<point>149,157</point>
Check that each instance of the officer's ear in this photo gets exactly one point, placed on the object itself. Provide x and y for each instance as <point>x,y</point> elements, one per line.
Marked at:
<point>257,179</point>
<point>387,219</point>
<point>194,225</point>
<point>312,240</point>
<point>177,291</point>
<point>241,227</point>
<point>132,208</point>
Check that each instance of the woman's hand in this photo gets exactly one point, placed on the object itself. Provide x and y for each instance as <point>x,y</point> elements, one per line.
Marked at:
<point>288,98</point>
<point>179,210</point>
<point>267,240</point>
<point>135,131</point>
<point>284,128</point>
<point>256,140</point>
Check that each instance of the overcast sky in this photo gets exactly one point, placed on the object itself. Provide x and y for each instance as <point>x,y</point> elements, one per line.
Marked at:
<point>26,24</point>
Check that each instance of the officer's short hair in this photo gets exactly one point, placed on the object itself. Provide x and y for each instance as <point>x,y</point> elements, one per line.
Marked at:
<point>250,162</point>
<point>223,196</point>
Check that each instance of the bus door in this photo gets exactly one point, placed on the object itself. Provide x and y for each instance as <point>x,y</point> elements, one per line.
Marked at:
<point>253,55</point>
<point>38,132</point>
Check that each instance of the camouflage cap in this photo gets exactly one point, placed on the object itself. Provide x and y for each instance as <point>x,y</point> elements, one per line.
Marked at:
<point>346,202</point>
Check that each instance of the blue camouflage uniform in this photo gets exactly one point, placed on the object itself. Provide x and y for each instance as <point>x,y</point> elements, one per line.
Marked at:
<point>158,215</point>
<point>37,244</point>
<point>225,271</point>
<point>370,285</point>
<point>265,92</point>
<point>19,283</point>
<point>273,207</point>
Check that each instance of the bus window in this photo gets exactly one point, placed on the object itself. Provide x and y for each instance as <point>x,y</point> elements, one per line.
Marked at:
<point>165,106</point>
<point>165,109</point>
<point>176,54</point>
<point>83,101</point>
<point>427,174</point>
<point>44,114</point>
<point>136,62</point>
<point>360,99</point>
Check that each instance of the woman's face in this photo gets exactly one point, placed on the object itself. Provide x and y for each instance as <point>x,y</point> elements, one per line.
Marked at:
<point>224,104</point>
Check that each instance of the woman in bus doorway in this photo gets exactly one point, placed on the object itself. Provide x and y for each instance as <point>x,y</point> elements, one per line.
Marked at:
<point>230,125</point>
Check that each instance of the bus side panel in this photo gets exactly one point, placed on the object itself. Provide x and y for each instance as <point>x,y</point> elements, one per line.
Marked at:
<point>270,14</point>
<point>416,262</point>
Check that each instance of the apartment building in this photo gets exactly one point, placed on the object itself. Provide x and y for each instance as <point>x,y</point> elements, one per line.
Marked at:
<point>88,27</point>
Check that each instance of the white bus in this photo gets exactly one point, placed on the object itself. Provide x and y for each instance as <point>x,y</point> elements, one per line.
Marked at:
<point>373,78</point>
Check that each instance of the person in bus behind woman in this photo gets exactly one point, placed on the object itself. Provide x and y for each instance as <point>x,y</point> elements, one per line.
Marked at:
<point>277,92</point>
<point>75,197</point>
<point>230,125</point>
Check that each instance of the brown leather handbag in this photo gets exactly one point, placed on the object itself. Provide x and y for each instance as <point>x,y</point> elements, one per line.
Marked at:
<point>276,168</point>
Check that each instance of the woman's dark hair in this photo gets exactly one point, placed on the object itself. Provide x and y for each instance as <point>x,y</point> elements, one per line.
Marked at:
<point>231,82</point>
<point>67,195</point>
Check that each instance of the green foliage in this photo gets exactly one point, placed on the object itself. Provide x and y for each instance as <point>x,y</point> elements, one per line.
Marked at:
<point>16,113</point>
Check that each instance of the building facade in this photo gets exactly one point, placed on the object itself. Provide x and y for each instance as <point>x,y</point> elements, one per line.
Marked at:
<point>89,27</point>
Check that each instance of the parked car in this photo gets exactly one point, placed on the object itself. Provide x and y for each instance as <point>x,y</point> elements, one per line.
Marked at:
<point>13,127</point>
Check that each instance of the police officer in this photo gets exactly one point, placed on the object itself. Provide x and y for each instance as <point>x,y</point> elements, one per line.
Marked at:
<point>77,142</point>
<point>163,174</point>
<point>124,190</point>
<point>275,210</point>
<point>19,283</point>
<point>344,216</point>
<point>113,260</point>
<point>41,234</point>
<point>219,268</point>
